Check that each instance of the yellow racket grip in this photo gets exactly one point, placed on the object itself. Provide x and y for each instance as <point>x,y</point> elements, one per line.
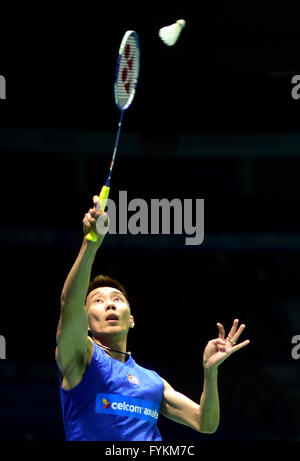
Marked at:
<point>103,197</point>
<point>92,236</point>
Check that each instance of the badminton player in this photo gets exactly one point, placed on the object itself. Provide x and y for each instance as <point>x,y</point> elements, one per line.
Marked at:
<point>105,394</point>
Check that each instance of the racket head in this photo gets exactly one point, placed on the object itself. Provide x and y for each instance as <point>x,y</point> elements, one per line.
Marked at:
<point>127,70</point>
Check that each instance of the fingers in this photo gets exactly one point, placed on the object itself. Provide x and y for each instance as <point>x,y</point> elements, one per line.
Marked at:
<point>221,331</point>
<point>94,213</point>
<point>234,333</point>
<point>96,202</point>
<point>219,342</point>
<point>96,220</point>
<point>233,328</point>
<point>91,217</point>
<point>95,199</point>
<point>240,345</point>
<point>88,220</point>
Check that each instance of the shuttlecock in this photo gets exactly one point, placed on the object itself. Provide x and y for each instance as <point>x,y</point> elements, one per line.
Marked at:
<point>170,34</point>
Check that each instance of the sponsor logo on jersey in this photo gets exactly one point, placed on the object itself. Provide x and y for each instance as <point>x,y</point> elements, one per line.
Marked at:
<point>106,404</point>
<point>133,379</point>
<point>116,404</point>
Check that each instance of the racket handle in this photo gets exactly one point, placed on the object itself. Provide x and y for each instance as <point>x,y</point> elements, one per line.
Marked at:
<point>92,236</point>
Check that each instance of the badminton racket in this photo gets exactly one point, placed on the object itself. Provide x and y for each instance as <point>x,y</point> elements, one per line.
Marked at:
<point>126,77</point>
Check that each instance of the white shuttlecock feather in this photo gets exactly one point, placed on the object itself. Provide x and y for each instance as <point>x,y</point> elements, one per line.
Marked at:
<point>170,34</point>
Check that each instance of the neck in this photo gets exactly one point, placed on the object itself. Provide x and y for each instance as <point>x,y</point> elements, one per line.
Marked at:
<point>114,349</point>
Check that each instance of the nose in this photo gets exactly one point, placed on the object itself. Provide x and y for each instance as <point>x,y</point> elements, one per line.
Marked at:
<point>110,306</point>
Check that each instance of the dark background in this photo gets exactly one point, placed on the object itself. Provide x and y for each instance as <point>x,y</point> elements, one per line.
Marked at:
<point>213,118</point>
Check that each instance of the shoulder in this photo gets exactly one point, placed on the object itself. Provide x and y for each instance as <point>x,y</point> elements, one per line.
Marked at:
<point>167,386</point>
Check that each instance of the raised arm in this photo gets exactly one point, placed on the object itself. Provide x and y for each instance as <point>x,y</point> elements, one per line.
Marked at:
<point>72,331</point>
<point>204,417</point>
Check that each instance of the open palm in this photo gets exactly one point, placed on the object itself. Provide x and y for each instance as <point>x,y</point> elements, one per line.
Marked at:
<point>219,349</point>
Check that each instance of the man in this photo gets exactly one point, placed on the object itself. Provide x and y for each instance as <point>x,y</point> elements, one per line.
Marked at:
<point>105,394</point>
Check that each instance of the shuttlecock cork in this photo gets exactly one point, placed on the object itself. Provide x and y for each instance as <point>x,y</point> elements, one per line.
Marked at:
<point>169,34</point>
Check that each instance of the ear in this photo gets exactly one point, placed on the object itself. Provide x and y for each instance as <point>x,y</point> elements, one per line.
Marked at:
<point>131,322</point>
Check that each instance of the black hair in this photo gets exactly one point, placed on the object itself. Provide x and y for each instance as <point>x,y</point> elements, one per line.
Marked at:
<point>106,281</point>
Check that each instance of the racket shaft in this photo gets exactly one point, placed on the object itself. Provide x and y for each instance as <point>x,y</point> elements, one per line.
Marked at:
<point>103,197</point>
<point>116,143</point>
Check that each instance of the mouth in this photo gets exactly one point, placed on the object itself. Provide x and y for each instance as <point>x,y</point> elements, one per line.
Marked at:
<point>112,317</point>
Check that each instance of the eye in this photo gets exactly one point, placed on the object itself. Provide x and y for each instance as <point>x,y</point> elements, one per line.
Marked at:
<point>98,300</point>
<point>118,299</point>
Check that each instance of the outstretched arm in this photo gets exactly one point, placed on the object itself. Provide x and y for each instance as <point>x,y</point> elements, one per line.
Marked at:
<point>77,281</point>
<point>72,330</point>
<point>205,416</point>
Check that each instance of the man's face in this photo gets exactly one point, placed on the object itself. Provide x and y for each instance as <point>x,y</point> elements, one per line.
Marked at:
<point>108,312</point>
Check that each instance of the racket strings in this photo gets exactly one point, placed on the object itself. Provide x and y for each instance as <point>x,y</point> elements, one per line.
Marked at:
<point>128,73</point>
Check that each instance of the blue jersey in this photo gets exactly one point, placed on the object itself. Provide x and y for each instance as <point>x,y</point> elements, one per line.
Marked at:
<point>113,401</point>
